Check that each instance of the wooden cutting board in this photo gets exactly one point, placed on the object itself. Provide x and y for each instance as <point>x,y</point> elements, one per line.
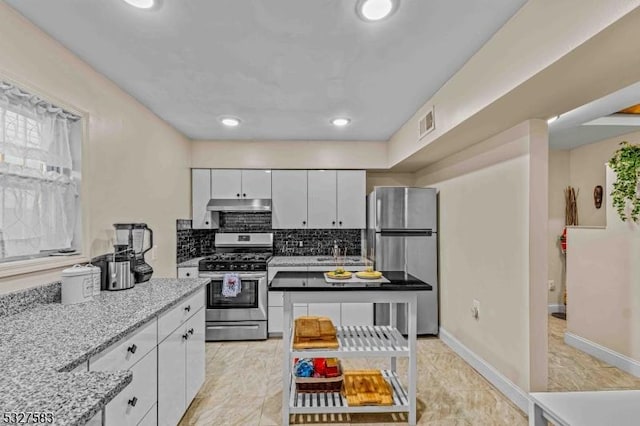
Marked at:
<point>305,343</point>
<point>366,387</point>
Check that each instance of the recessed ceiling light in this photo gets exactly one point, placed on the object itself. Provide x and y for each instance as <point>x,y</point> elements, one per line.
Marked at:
<point>230,121</point>
<point>340,121</point>
<point>375,10</point>
<point>141,4</point>
<point>552,119</point>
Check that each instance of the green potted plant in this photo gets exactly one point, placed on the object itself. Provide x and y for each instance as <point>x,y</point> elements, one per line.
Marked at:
<point>626,164</point>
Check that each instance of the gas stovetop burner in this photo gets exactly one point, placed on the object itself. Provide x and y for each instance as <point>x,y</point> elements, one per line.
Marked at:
<point>235,262</point>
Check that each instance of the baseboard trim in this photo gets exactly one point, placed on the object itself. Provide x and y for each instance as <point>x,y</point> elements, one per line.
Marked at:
<point>553,308</point>
<point>604,354</point>
<point>519,397</point>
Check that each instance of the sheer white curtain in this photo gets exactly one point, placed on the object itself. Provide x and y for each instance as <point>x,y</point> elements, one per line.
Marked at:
<point>38,189</point>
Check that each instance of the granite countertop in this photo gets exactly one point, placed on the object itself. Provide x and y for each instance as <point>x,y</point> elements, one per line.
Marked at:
<point>41,346</point>
<point>191,263</point>
<point>314,261</point>
<point>314,281</point>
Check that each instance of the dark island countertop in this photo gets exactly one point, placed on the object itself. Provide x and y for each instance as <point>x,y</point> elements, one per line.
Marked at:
<point>314,281</point>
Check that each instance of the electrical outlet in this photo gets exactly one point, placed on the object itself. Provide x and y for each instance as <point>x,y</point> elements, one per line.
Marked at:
<point>475,309</point>
<point>552,285</point>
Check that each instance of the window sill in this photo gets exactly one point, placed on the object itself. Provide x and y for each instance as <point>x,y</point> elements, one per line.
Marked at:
<point>21,267</point>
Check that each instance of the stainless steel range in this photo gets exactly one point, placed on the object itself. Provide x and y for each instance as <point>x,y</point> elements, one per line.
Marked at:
<point>243,317</point>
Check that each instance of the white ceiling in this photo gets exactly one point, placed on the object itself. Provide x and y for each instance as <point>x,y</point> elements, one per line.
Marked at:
<point>285,67</point>
<point>569,130</point>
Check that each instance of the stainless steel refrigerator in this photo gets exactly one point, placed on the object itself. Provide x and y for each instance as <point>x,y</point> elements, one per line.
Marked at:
<point>402,229</point>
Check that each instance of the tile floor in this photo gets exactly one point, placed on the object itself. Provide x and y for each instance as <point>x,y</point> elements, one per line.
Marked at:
<point>244,386</point>
<point>573,370</point>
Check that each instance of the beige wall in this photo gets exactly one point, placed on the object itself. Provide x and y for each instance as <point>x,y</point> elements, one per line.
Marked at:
<point>558,181</point>
<point>523,73</point>
<point>135,166</point>
<point>588,170</point>
<point>389,179</point>
<point>289,154</point>
<point>490,196</point>
<point>603,273</point>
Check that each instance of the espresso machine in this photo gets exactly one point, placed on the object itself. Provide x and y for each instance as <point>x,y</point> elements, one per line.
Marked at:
<point>133,240</point>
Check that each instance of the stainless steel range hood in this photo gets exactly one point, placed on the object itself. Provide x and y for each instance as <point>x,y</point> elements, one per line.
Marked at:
<point>240,205</point>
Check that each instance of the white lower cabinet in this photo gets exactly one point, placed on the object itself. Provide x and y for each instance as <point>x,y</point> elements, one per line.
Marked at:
<point>172,380</point>
<point>181,372</point>
<point>340,313</point>
<point>188,272</point>
<point>151,419</point>
<point>276,317</point>
<point>357,313</point>
<point>131,405</point>
<point>195,358</point>
<point>167,360</point>
<point>330,310</point>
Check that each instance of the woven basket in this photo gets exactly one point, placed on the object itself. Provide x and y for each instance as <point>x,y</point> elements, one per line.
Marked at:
<point>318,384</point>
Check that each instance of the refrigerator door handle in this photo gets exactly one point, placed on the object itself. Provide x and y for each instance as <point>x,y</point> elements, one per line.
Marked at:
<point>407,232</point>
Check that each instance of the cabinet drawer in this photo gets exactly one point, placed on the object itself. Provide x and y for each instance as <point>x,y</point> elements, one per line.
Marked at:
<point>131,405</point>
<point>188,272</point>
<point>125,353</point>
<point>184,310</point>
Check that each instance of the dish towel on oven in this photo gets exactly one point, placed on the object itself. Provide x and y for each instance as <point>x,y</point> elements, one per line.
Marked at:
<point>231,285</point>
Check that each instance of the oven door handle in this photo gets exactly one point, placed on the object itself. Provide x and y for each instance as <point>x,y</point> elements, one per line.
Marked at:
<point>241,276</point>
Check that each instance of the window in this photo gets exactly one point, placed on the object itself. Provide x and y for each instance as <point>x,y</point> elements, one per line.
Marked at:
<point>39,176</point>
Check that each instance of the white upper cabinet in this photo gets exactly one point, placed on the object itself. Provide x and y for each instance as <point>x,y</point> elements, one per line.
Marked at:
<point>322,199</point>
<point>351,199</point>
<point>289,199</point>
<point>256,184</point>
<point>226,184</point>
<point>200,196</point>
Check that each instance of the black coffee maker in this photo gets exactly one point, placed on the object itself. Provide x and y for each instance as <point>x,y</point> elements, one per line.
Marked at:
<point>135,239</point>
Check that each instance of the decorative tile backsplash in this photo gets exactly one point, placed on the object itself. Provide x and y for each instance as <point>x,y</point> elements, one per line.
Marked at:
<point>200,242</point>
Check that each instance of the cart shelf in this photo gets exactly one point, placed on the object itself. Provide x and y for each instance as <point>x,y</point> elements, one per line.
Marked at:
<point>362,342</point>
<point>334,402</point>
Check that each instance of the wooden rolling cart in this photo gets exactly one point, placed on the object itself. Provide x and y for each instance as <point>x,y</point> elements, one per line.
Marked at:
<point>355,342</point>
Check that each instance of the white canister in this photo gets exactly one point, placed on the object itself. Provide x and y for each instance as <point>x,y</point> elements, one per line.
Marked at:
<point>77,285</point>
<point>95,277</point>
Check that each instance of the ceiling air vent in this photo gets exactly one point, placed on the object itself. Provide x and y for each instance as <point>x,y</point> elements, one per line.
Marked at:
<point>427,124</point>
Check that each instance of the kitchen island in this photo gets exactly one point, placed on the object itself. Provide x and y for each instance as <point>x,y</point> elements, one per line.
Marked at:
<point>48,349</point>
<point>354,341</point>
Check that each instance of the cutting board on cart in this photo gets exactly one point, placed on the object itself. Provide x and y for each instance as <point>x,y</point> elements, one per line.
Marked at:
<point>366,387</point>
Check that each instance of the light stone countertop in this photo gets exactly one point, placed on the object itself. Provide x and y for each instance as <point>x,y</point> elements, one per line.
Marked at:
<point>191,263</point>
<point>314,261</point>
<point>40,347</point>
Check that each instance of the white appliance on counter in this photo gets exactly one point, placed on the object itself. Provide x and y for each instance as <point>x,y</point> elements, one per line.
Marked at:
<point>402,229</point>
<point>244,316</point>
